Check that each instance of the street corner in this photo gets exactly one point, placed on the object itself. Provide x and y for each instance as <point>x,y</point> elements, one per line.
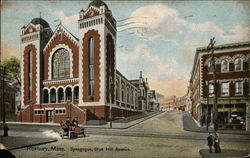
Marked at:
<point>224,153</point>
<point>18,142</point>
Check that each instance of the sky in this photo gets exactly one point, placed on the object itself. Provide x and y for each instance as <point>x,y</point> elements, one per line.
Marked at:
<point>158,38</point>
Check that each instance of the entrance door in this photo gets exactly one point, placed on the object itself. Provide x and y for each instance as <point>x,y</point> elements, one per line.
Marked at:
<point>49,116</point>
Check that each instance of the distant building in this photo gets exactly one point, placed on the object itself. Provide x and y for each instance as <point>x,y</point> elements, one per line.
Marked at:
<point>181,103</point>
<point>167,103</point>
<point>233,82</point>
<point>153,101</point>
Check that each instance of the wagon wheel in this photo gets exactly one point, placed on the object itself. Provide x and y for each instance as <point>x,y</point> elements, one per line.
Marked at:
<point>61,134</point>
<point>70,135</point>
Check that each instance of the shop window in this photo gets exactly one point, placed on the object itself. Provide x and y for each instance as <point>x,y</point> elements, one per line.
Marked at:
<point>224,88</point>
<point>238,87</point>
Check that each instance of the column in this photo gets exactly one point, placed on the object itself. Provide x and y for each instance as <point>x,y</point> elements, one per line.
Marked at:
<point>49,98</point>
<point>72,96</point>
<point>64,95</point>
<point>120,92</point>
<point>56,96</point>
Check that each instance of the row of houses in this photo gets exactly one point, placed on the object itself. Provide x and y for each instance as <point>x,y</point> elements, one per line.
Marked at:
<point>232,66</point>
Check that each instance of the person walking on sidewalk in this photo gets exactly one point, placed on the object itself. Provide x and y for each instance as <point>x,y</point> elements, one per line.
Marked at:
<point>210,141</point>
<point>217,143</point>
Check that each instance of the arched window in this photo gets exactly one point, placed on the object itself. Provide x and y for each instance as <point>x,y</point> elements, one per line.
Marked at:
<point>128,95</point>
<point>238,64</point>
<point>76,93</point>
<point>45,96</point>
<point>53,95</point>
<point>117,91</point>
<point>123,93</point>
<point>30,75</point>
<point>91,67</point>
<point>224,66</point>
<point>61,64</point>
<point>132,97</point>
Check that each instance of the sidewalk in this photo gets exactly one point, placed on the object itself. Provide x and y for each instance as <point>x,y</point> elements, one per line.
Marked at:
<point>225,153</point>
<point>115,125</point>
<point>17,142</point>
<point>189,124</point>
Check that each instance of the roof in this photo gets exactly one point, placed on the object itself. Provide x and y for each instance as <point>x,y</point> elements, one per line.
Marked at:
<point>218,47</point>
<point>97,3</point>
<point>40,21</point>
<point>223,46</point>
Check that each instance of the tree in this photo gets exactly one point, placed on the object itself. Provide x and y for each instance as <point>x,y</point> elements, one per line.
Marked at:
<point>12,65</point>
<point>10,80</point>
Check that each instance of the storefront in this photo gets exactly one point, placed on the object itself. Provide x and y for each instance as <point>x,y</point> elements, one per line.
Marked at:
<point>232,116</point>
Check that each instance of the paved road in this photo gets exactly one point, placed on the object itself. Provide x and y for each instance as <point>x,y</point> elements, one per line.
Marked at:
<point>167,125</point>
<point>161,136</point>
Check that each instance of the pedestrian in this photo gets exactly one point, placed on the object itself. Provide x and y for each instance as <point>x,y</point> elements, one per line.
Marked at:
<point>210,141</point>
<point>217,143</point>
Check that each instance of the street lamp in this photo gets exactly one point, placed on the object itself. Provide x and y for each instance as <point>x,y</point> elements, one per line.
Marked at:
<point>210,48</point>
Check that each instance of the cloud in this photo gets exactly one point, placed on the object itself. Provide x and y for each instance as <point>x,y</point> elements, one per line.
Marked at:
<point>10,6</point>
<point>8,50</point>
<point>168,87</point>
<point>164,78</point>
<point>68,20</point>
<point>238,32</point>
<point>141,58</point>
<point>160,21</point>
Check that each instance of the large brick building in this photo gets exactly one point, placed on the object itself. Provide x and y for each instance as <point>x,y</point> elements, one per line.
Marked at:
<point>65,76</point>
<point>233,85</point>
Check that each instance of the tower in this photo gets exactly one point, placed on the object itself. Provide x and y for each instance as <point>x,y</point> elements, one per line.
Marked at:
<point>97,68</point>
<point>34,37</point>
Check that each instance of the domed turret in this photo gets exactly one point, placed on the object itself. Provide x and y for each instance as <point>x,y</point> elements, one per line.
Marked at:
<point>97,3</point>
<point>40,21</point>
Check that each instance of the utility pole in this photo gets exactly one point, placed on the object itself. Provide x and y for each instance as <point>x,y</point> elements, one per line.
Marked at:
<point>210,49</point>
<point>3,94</point>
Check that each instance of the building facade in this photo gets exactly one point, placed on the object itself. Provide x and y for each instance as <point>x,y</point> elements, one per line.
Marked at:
<point>233,85</point>
<point>65,76</point>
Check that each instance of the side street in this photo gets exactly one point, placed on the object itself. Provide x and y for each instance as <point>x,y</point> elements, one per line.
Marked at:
<point>164,141</point>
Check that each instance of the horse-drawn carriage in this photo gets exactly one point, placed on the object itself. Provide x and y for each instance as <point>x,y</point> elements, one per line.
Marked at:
<point>71,131</point>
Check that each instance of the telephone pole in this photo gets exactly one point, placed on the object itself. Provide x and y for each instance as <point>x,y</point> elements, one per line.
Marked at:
<point>3,72</point>
<point>210,49</point>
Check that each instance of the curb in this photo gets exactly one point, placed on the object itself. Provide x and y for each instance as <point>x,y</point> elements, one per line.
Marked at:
<point>130,125</point>
<point>201,154</point>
